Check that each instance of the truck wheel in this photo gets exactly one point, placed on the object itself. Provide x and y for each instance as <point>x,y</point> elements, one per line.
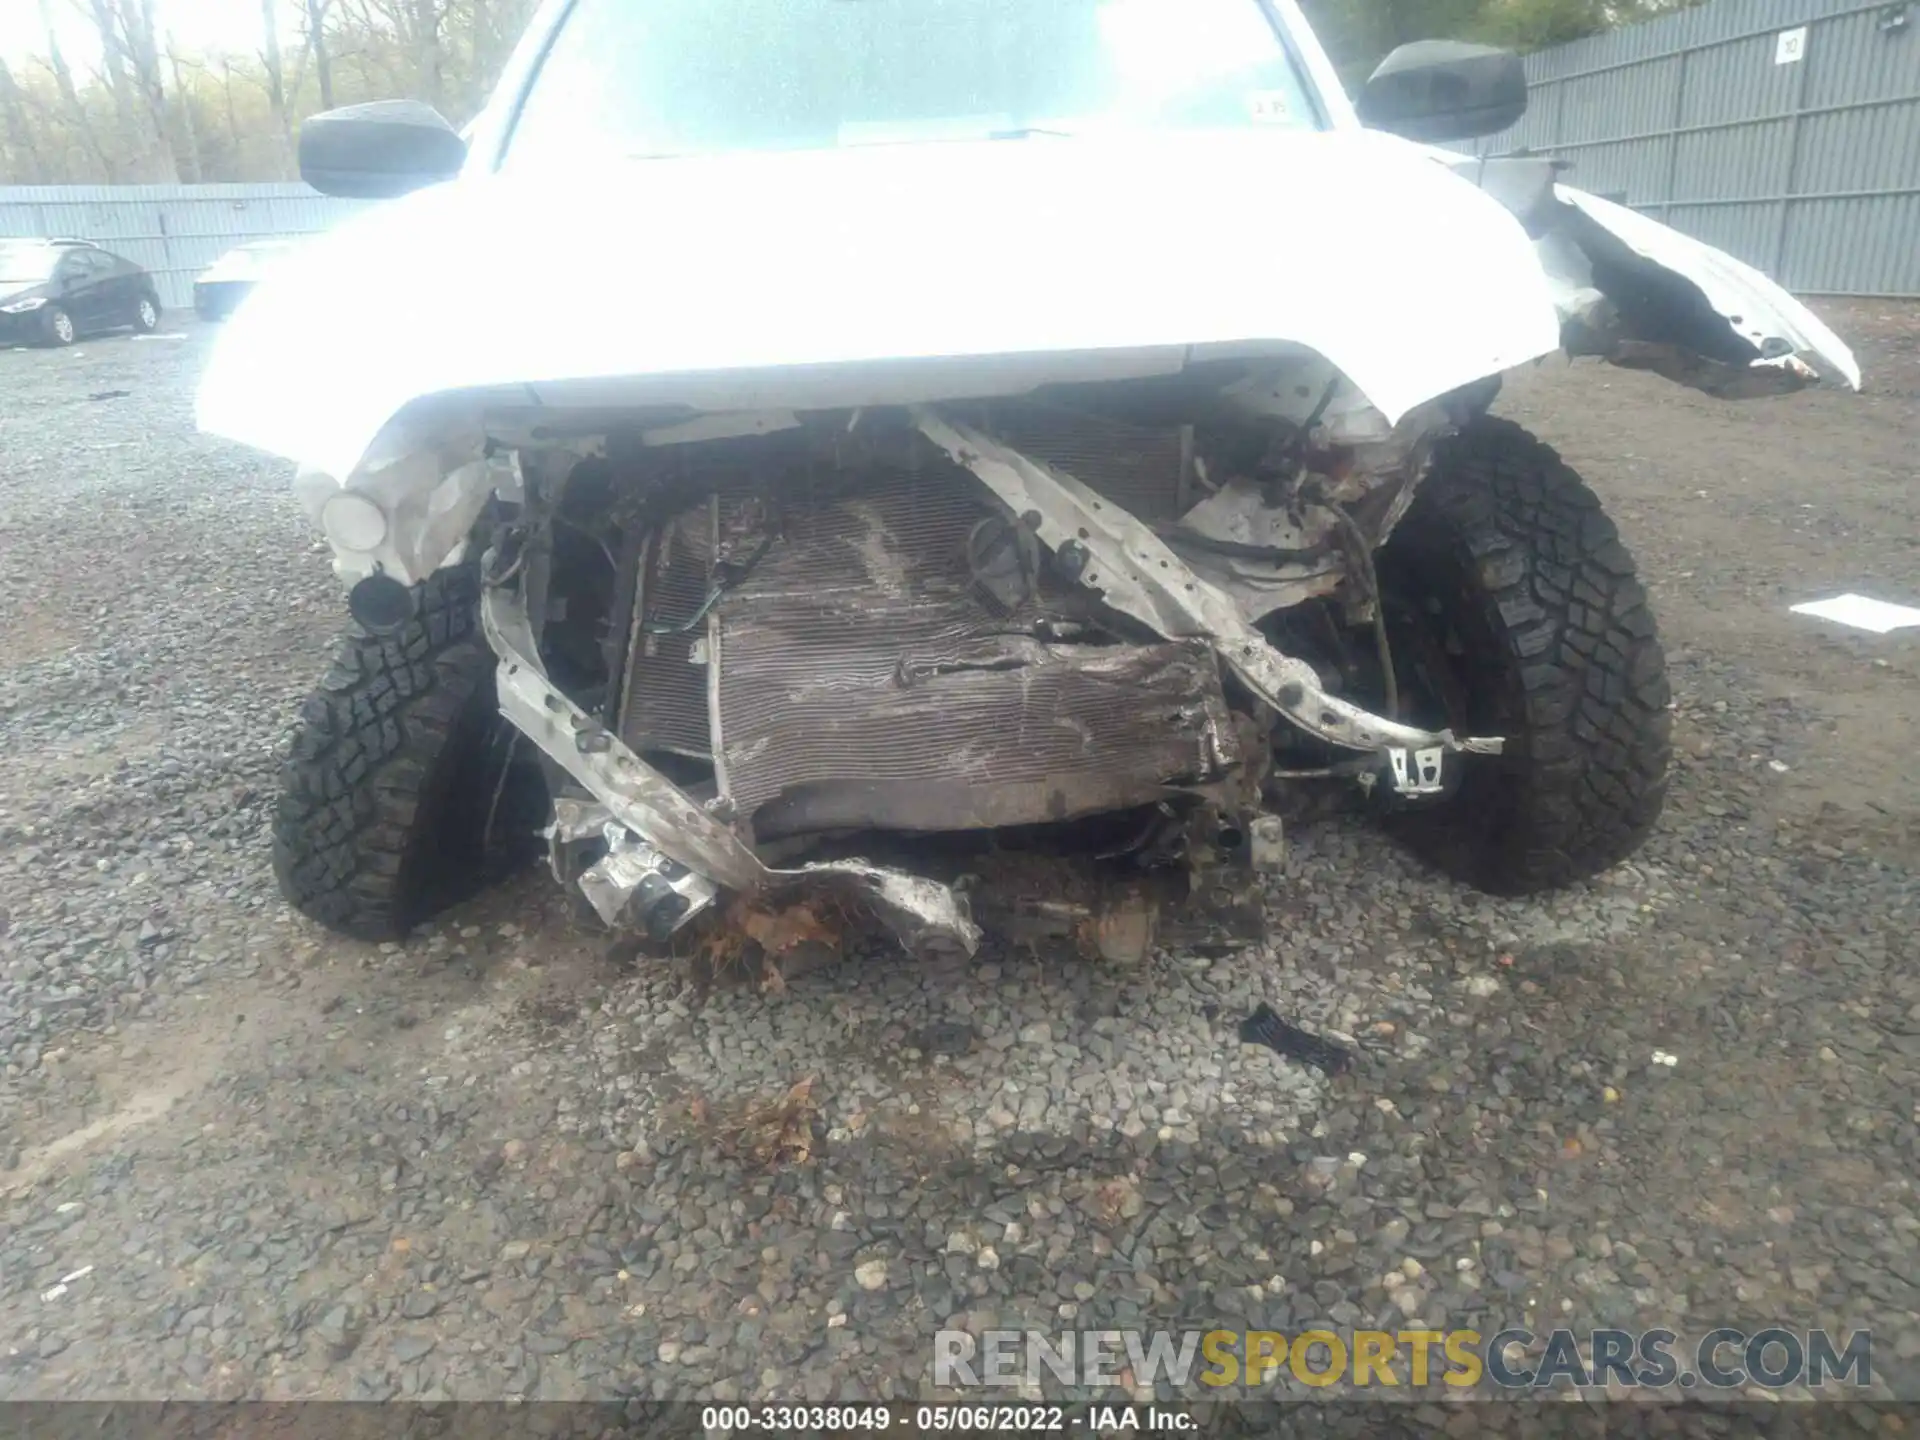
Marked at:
<point>392,772</point>
<point>1514,610</point>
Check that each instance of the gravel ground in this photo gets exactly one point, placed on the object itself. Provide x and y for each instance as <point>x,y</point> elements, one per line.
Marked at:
<point>242,1158</point>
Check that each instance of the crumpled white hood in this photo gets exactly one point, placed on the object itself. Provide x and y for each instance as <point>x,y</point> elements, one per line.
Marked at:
<point>1406,277</point>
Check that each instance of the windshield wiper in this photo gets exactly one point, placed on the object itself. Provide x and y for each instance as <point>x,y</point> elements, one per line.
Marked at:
<point>1026,131</point>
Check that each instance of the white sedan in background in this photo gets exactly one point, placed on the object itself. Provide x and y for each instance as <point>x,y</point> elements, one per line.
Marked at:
<point>225,283</point>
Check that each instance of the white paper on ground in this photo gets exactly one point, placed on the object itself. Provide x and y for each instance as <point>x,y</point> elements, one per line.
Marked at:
<point>1861,613</point>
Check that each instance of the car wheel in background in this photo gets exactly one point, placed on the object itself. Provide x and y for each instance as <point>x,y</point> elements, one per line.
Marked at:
<point>58,326</point>
<point>146,315</point>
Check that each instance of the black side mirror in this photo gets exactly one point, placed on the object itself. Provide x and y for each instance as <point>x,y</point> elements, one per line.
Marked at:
<point>376,151</point>
<point>1437,90</point>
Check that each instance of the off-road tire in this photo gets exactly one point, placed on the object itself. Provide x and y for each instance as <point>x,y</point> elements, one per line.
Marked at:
<point>391,773</point>
<point>1510,551</point>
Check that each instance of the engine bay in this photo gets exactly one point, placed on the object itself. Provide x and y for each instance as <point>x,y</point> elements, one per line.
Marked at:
<point>1025,626</point>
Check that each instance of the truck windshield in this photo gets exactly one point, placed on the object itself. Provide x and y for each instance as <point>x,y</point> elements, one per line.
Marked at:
<point>648,78</point>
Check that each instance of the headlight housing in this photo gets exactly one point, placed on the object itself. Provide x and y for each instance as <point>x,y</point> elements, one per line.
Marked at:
<point>19,307</point>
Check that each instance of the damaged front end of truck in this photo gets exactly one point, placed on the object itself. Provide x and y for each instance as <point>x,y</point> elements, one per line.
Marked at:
<point>1003,660</point>
<point>1037,662</point>
<point>993,544</point>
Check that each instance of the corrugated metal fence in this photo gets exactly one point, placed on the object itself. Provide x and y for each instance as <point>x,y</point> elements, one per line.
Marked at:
<point>1786,132</point>
<point>175,231</point>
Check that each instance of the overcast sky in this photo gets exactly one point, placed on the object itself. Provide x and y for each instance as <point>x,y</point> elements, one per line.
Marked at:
<point>196,25</point>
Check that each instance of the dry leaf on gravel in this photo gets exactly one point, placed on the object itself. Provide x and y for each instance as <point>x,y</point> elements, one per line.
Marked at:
<point>778,931</point>
<point>729,946</point>
<point>1113,1201</point>
<point>779,1133</point>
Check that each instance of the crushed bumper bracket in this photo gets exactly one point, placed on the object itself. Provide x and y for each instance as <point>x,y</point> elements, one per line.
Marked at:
<point>669,825</point>
<point>1137,574</point>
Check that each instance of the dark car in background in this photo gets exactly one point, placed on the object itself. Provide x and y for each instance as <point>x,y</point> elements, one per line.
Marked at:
<point>54,291</point>
<point>229,280</point>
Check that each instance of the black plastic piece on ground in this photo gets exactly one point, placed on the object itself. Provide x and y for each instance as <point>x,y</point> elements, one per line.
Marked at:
<point>1263,1027</point>
<point>945,1037</point>
<point>381,604</point>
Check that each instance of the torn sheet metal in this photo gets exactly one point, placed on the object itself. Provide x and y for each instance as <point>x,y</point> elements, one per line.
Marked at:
<point>1384,466</point>
<point>1136,573</point>
<point>1239,513</point>
<point>925,914</point>
<point>1758,311</point>
<point>1522,183</point>
<point>1718,378</point>
<point>921,912</point>
<point>1593,323</point>
<point>1677,307</point>
<point>1309,389</point>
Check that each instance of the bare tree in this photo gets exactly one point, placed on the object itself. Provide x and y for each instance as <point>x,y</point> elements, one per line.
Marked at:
<point>316,13</point>
<point>480,68</point>
<point>141,42</point>
<point>284,87</point>
<point>20,141</point>
<point>417,28</point>
<point>379,50</point>
<point>277,88</point>
<point>134,144</point>
<point>429,55</point>
<point>189,147</point>
<point>70,94</point>
<point>226,93</point>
